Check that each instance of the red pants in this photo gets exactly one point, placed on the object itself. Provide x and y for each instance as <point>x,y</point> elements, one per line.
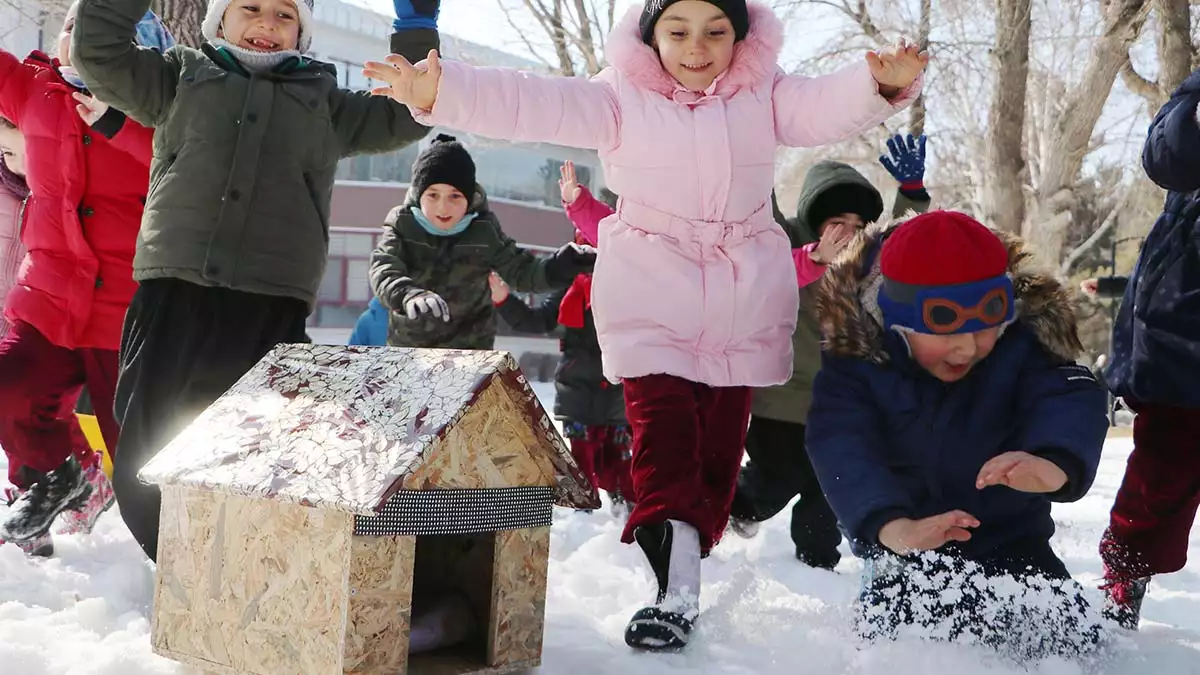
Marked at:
<point>688,440</point>
<point>1156,505</point>
<point>603,453</point>
<point>39,384</point>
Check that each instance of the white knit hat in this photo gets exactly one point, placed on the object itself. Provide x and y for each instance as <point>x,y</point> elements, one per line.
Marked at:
<point>216,12</point>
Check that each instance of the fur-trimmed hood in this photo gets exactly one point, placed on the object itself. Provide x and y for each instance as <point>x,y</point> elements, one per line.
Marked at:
<point>852,322</point>
<point>755,58</point>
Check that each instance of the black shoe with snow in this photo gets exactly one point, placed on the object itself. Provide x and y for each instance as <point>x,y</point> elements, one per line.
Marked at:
<point>43,546</point>
<point>34,511</point>
<point>823,560</point>
<point>744,527</point>
<point>673,551</point>
<point>1123,601</point>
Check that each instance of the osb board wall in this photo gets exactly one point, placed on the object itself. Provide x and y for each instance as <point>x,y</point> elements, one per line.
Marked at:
<point>381,585</point>
<point>519,596</point>
<point>251,586</point>
<point>491,446</point>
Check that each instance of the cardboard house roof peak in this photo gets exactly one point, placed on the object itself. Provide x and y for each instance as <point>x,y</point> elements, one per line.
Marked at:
<point>344,428</point>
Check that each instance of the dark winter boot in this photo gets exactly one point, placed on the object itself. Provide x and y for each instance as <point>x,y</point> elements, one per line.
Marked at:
<point>1123,601</point>
<point>673,551</point>
<point>744,527</point>
<point>34,511</point>
<point>823,560</point>
<point>43,546</point>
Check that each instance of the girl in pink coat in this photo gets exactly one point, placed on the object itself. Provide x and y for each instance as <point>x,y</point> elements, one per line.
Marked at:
<point>694,292</point>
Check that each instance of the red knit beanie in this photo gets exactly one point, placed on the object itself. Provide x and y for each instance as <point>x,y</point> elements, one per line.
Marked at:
<point>941,248</point>
<point>945,272</point>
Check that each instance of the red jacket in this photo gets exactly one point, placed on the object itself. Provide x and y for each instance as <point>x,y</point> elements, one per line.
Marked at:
<point>82,217</point>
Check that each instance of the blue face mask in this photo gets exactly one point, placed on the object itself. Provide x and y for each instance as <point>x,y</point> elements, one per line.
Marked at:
<point>436,231</point>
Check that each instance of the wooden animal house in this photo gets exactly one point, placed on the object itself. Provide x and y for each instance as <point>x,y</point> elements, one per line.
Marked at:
<point>311,510</point>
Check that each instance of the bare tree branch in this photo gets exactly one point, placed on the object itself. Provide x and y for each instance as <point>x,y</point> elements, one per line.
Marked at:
<point>1137,84</point>
<point>1110,220</point>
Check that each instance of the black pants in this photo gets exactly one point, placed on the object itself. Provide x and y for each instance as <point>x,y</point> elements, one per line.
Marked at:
<point>184,345</point>
<point>778,470</point>
<point>1020,601</point>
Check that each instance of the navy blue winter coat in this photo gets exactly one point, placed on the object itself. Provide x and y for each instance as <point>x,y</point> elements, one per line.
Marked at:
<point>1156,339</point>
<point>888,440</point>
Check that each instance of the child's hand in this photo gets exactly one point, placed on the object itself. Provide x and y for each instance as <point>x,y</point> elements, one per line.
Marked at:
<point>905,535</point>
<point>833,241</point>
<point>568,184</point>
<point>897,67</point>
<point>420,302</point>
<point>407,84</point>
<point>90,108</point>
<point>907,160</point>
<point>499,288</point>
<point>1090,286</point>
<point>1023,472</point>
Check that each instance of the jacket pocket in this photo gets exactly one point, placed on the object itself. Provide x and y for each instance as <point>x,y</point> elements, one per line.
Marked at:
<point>316,205</point>
<point>168,164</point>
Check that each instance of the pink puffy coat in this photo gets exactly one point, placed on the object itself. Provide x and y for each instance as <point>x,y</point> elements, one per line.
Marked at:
<point>694,278</point>
<point>11,250</point>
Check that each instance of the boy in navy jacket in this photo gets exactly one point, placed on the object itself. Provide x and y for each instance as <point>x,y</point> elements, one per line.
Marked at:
<point>947,417</point>
<point>1155,369</point>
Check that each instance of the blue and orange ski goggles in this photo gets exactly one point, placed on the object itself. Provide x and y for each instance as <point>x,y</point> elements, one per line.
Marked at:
<point>947,310</point>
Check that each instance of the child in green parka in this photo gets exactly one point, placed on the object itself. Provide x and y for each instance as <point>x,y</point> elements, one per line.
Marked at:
<point>438,249</point>
<point>233,245</point>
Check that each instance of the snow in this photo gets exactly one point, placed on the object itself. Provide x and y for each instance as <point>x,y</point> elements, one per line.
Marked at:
<point>87,610</point>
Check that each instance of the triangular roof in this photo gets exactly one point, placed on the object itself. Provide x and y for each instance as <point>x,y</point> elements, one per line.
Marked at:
<point>342,427</point>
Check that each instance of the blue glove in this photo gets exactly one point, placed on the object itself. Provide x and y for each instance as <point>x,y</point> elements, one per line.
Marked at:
<point>411,14</point>
<point>907,163</point>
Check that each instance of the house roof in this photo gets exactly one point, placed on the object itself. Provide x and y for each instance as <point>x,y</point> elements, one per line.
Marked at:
<point>342,427</point>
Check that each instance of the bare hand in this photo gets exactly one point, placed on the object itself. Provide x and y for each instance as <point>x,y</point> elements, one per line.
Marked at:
<point>1090,286</point>
<point>90,108</point>
<point>1023,472</point>
<point>414,86</point>
<point>905,535</point>
<point>568,184</point>
<point>499,288</point>
<point>897,67</point>
<point>833,241</point>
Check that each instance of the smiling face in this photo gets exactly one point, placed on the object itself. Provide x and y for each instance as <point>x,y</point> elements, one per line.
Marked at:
<point>950,357</point>
<point>444,205</point>
<point>262,25</point>
<point>695,43</point>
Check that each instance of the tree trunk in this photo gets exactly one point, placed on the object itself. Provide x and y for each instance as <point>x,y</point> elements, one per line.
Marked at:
<point>1004,196</point>
<point>558,35</point>
<point>1073,131</point>
<point>916,115</point>
<point>184,18</point>
<point>587,44</point>
<point>1175,50</point>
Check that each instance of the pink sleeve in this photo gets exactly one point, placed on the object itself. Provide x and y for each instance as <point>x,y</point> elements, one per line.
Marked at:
<point>807,271</point>
<point>585,213</point>
<point>812,111</point>
<point>515,105</point>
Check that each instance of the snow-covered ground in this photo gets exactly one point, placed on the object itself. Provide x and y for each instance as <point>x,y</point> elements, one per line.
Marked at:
<point>86,611</point>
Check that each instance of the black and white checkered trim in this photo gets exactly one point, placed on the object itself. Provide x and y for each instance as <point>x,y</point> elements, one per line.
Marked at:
<point>425,512</point>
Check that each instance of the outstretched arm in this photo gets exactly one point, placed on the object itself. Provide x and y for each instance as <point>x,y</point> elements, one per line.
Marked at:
<point>813,111</point>
<point>503,103</point>
<point>16,82</point>
<point>139,81</point>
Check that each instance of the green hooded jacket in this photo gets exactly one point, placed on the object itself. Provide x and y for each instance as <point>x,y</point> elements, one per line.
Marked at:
<point>790,402</point>
<point>455,267</point>
<point>244,163</point>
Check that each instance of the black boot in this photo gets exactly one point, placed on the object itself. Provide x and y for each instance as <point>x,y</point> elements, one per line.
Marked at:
<point>34,512</point>
<point>673,551</point>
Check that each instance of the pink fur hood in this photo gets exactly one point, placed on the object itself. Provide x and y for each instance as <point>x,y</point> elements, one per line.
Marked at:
<point>755,58</point>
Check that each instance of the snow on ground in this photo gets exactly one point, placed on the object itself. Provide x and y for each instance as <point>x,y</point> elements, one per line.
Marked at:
<point>86,611</point>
